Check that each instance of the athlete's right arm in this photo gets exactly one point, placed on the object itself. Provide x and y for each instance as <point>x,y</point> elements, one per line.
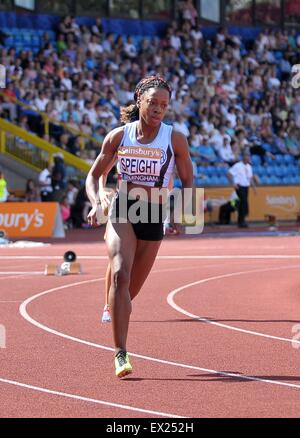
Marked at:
<point>100,167</point>
<point>105,195</point>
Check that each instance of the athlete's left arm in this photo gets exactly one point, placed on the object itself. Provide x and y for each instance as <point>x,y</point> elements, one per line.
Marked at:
<point>182,159</point>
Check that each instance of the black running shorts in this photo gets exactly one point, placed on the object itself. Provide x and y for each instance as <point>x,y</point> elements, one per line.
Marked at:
<point>146,218</point>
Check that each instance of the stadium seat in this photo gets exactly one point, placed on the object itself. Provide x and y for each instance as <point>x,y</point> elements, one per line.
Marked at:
<point>269,170</point>
<point>289,170</point>
<point>210,170</point>
<point>193,149</point>
<point>274,180</point>
<point>35,40</point>
<point>51,35</point>
<point>287,180</point>
<point>267,147</point>
<point>259,170</point>
<point>288,159</point>
<point>199,182</point>
<point>8,19</point>
<point>224,181</point>
<point>18,38</point>
<point>269,160</point>
<point>214,181</point>
<point>264,180</point>
<point>19,47</point>
<point>294,170</point>
<point>225,169</point>
<point>255,159</point>
<point>9,41</point>
<point>221,170</point>
<point>279,171</point>
<point>177,183</point>
<point>285,170</point>
<point>27,37</point>
<point>206,182</point>
<point>278,55</point>
<point>200,170</point>
<point>214,171</point>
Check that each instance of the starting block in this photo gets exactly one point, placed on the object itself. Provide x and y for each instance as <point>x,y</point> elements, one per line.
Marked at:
<point>68,266</point>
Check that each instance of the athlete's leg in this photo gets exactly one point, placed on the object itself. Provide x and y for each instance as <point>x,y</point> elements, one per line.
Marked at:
<point>106,311</point>
<point>121,245</point>
<point>107,283</point>
<point>145,255</point>
<point>143,261</point>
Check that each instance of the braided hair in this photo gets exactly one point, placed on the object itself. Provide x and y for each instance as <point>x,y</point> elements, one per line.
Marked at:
<point>131,113</point>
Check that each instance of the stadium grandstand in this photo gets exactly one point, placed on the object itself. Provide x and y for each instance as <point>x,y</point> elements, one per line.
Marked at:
<point>71,65</point>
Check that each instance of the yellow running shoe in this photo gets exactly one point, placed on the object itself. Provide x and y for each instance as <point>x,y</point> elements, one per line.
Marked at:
<point>122,364</point>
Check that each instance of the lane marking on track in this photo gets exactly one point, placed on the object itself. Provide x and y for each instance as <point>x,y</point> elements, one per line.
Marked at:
<point>238,248</point>
<point>171,302</point>
<point>29,273</point>
<point>14,276</point>
<point>27,317</point>
<point>170,257</point>
<point>87,399</point>
<point>77,397</point>
<point>21,272</point>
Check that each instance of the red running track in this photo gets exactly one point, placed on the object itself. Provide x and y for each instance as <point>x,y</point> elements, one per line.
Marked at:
<point>210,335</point>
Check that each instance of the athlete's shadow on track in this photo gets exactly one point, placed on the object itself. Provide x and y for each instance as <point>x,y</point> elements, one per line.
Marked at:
<point>222,378</point>
<point>216,378</point>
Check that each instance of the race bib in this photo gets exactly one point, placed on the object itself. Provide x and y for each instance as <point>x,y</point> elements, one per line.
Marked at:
<point>140,164</point>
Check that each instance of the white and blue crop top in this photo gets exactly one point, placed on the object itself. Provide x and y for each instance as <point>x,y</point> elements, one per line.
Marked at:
<point>146,164</point>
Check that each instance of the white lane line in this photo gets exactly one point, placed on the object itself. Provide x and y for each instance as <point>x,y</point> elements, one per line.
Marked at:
<point>230,257</point>
<point>21,272</point>
<point>238,248</point>
<point>29,273</point>
<point>48,257</point>
<point>171,257</point>
<point>18,274</point>
<point>27,317</point>
<point>9,276</point>
<point>12,276</point>
<point>171,302</point>
<point>111,404</point>
<point>87,399</point>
